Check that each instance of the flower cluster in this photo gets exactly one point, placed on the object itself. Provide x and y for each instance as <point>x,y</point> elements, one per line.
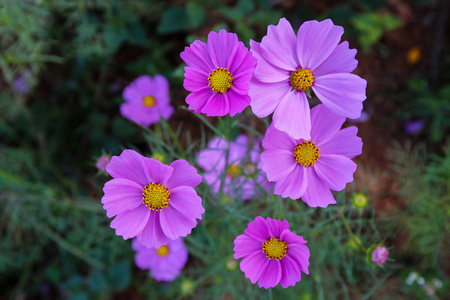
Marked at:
<point>306,153</point>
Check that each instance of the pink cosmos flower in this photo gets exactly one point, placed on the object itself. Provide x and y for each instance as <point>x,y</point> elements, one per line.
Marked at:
<point>151,200</point>
<point>146,99</point>
<point>310,168</point>
<point>165,263</point>
<point>218,74</point>
<point>380,255</point>
<point>272,253</point>
<point>244,176</point>
<point>290,65</point>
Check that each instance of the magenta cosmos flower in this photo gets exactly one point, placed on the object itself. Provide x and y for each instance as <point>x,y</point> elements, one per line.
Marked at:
<point>290,65</point>
<point>152,201</point>
<point>218,74</point>
<point>165,263</point>
<point>309,168</point>
<point>244,177</point>
<point>272,253</point>
<point>146,99</point>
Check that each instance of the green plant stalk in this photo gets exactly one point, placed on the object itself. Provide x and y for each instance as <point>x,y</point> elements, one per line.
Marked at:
<point>354,238</point>
<point>174,137</point>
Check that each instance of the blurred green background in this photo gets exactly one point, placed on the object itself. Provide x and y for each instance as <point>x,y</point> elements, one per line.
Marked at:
<point>64,64</point>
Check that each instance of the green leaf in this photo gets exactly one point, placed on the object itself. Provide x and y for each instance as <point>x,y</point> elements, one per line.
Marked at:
<point>174,19</point>
<point>119,275</point>
<point>196,14</point>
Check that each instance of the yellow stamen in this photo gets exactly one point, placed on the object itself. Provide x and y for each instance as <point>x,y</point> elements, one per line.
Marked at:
<point>149,101</point>
<point>306,153</point>
<point>155,196</point>
<point>274,248</point>
<point>302,79</point>
<point>163,251</point>
<point>220,80</point>
<point>233,171</point>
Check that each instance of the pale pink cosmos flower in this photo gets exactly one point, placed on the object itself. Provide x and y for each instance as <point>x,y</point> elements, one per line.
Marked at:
<point>102,162</point>
<point>380,255</point>
<point>310,168</point>
<point>290,66</point>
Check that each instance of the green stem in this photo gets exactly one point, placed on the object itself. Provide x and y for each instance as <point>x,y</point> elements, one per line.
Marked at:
<point>280,213</point>
<point>354,237</point>
<point>227,154</point>
<point>174,137</point>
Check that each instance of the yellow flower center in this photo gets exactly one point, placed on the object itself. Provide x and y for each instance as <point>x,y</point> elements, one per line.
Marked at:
<point>233,171</point>
<point>306,153</point>
<point>220,80</point>
<point>149,101</point>
<point>274,248</point>
<point>155,196</point>
<point>302,79</point>
<point>163,251</point>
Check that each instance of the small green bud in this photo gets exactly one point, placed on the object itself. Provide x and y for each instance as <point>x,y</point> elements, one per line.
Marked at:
<point>359,201</point>
<point>158,156</point>
<point>187,287</point>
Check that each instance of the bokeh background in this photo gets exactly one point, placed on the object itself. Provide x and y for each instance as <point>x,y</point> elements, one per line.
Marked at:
<point>64,64</point>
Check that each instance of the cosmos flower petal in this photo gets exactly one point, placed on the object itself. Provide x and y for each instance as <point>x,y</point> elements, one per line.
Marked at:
<point>265,71</point>
<point>343,93</point>
<point>335,170</point>
<point>321,132</point>
<point>345,143</point>
<point>197,55</point>
<point>183,175</point>
<point>121,195</point>
<point>291,272</point>
<point>271,276</point>
<point>316,41</point>
<point>186,201</point>
<point>237,102</point>
<point>198,99</point>
<point>130,223</point>
<point>213,158</point>
<point>276,139</point>
<point>341,60</point>
<point>293,185</point>
<point>195,79</point>
<point>217,105</point>
<point>278,46</point>
<point>244,245</point>
<point>128,165</point>
<point>257,229</point>
<point>300,254</point>
<point>152,235</point>
<point>275,228</point>
<point>317,192</point>
<point>220,47</point>
<point>293,116</point>
<point>277,163</point>
<point>156,171</point>
<point>175,224</point>
<point>265,97</point>
<point>292,238</point>
<point>253,265</point>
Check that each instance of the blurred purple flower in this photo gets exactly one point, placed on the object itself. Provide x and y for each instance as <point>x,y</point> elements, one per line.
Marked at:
<point>362,119</point>
<point>380,255</point>
<point>414,127</point>
<point>146,99</point>
<point>244,176</point>
<point>165,263</point>
<point>22,83</point>
<point>102,162</point>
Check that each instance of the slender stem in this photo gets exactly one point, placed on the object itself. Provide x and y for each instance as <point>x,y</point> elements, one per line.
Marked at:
<point>280,213</point>
<point>354,237</point>
<point>174,137</point>
<point>227,154</point>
